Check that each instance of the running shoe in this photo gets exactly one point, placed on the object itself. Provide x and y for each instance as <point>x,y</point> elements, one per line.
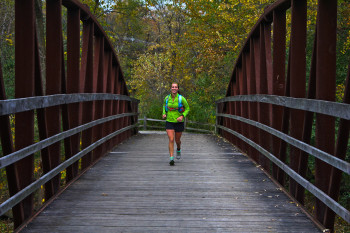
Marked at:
<point>178,154</point>
<point>172,162</point>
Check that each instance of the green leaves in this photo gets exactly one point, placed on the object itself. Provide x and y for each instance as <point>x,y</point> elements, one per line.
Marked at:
<point>192,42</point>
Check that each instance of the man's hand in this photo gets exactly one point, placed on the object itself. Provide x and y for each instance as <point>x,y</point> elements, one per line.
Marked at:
<point>164,116</point>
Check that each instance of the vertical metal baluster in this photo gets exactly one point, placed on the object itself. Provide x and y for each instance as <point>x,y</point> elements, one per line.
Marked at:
<point>12,173</point>
<point>297,79</point>
<point>109,103</point>
<point>340,152</point>
<point>253,108</point>
<point>285,128</point>
<point>98,81</point>
<point>325,90</point>
<point>87,77</point>
<point>278,77</point>
<point>73,82</point>
<point>24,87</point>
<point>118,122</point>
<point>54,49</point>
<point>244,91</point>
<point>237,109</point>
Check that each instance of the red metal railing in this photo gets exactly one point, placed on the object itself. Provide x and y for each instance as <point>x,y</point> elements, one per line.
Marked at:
<point>267,115</point>
<point>85,105</point>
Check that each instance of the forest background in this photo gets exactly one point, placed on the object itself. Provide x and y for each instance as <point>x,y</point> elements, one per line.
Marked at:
<point>192,42</point>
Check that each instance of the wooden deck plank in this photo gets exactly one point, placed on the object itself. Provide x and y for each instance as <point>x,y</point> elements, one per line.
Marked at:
<point>213,188</point>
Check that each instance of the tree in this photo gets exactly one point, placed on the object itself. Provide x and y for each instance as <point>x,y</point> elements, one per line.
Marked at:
<point>7,51</point>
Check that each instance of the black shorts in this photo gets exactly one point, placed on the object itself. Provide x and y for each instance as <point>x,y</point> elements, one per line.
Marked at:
<point>178,126</point>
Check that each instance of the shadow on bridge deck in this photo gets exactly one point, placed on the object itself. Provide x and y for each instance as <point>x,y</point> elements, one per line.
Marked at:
<point>213,188</point>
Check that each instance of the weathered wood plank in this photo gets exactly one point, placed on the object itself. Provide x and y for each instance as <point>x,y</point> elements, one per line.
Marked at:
<point>213,188</point>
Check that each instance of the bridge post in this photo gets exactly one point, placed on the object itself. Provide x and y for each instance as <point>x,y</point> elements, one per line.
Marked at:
<point>24,87</point>
<point>109,103</point>
<point>253,106</point>
<point>74,81</point>
<point>12,173</point>
<point>278,78</point>
<point>262,88</point>
<point>297,79</point>
<point>325,90</point>
<point>144,122</point>
<point>237,110</point>
<point>216,119</point>
<point>86,75</point>
<point>245,111</point>
<point>340,152</point>
<point>100,87</point>
<point>54,52</point>
<point>116,104</point>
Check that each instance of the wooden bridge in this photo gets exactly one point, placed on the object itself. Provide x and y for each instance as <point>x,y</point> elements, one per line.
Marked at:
<point>118,180</point>
<point>213,188</point>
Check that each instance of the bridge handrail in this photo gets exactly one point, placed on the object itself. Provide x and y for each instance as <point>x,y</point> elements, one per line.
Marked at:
<point>145,119</point>
<point>24,152</point>
<point>311,150</point>
<point>11,106</point>
<point>335,206</point>
<point>85,103</point>
<point>269,116</point>
<point>335,109</point>
<point>21,195</point>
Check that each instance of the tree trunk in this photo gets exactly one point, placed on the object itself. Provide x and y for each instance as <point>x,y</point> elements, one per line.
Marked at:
<point>39,16</point>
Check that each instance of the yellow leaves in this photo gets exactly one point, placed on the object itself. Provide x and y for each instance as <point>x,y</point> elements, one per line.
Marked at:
<point>63,175</point>
<point>187,78</point>
<point>9,41</point>
<point>347,43</point>
<point>340,92</point>
<point>224,25</point>
<point>36,169</point>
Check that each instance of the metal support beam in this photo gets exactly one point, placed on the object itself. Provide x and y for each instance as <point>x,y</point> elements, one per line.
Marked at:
<point>24,87</point>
